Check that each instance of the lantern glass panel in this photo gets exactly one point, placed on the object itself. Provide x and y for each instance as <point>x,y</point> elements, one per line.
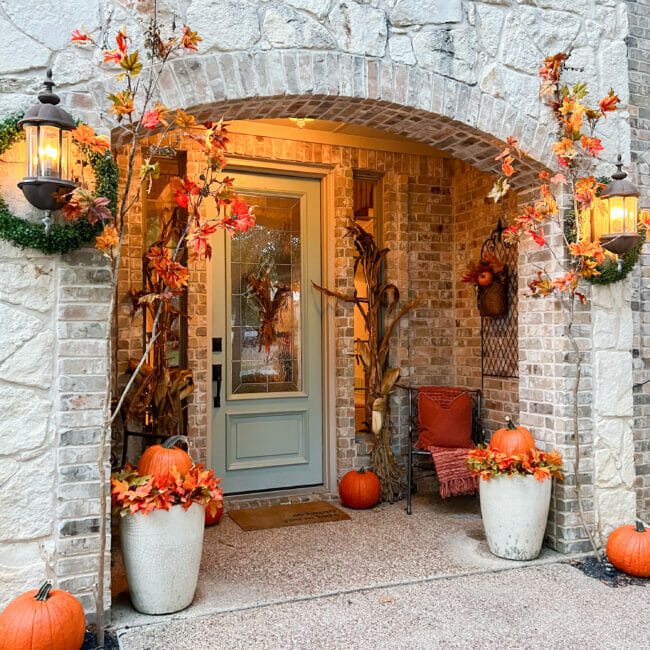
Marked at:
<point>49,151</point>
<point>66,145</point>
<point>31,136</point>
<point>616,213</point>
<point>599,218</point>
<point>630,213</point>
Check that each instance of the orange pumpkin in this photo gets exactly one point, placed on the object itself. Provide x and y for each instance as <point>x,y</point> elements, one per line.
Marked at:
<point>359,489</point>
<point>513,440</point>
<point>212,520</point>
<point>44,618</point>
<point>159,459</point>
<point>628,549</point>
<point>484,279</point>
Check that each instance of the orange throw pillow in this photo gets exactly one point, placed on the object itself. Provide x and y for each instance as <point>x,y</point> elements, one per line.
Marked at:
<point>445,427</point>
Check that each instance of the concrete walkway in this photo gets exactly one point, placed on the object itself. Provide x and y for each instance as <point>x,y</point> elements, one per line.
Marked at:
<point>386,580</point>
<point>551,606</point>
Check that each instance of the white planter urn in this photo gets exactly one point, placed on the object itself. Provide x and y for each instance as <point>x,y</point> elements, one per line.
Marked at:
<point>162,553</point>
<point>514,511</point>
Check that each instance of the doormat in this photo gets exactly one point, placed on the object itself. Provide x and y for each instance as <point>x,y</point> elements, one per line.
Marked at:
<point>295,514</point>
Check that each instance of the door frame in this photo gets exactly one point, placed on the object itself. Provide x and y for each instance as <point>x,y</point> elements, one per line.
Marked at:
<point>322,172</point>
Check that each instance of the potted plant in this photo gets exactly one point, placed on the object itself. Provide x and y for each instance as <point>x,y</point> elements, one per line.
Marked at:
<point>162,524</point>
<point>515,495</point>
<point>489,277</point>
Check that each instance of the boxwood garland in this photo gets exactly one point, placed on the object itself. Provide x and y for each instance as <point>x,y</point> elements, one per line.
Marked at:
<point>62,238</point>
<point>609,273</point>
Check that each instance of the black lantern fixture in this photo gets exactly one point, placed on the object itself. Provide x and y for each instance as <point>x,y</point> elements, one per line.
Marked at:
<point>615,213</point>
<point>49,142</point>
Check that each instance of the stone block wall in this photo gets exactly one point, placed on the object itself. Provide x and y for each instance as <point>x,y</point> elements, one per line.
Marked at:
<point>460,75</point>
<point>53,384</point>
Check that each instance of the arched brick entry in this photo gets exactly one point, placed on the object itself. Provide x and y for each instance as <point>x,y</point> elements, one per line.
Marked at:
<point>384,96</point>
<point>450,115</point>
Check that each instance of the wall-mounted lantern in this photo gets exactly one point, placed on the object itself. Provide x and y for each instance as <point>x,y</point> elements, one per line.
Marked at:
<point>49,149</point>
<point>615,213</point>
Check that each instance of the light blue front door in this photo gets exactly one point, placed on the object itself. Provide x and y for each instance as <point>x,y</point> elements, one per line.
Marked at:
<point>266,346</point>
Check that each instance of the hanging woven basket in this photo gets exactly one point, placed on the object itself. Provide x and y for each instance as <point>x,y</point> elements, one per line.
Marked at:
<point>493,299</point>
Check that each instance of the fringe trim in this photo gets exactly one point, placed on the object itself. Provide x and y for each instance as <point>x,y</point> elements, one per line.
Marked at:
<point>456,487</point>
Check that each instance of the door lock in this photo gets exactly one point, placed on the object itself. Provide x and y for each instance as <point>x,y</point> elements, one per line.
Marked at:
<point>216,378</point>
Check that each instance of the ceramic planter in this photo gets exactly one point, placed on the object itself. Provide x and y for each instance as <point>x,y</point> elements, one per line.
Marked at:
<point>162,554</point>
<point>514,511</point>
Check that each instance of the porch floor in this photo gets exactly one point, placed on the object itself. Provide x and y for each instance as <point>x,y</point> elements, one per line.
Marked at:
<point>381,547</point>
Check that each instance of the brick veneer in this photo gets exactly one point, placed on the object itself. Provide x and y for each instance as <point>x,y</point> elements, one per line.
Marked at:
<point>638,43</point>
<point>428,203</point>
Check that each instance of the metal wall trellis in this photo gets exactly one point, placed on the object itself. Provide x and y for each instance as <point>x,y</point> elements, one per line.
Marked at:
<point>499,335</point>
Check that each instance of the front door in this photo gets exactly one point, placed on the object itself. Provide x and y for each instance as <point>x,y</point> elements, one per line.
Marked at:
<point>266,349</point>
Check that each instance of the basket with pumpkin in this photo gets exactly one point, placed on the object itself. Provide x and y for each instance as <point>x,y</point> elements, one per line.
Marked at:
<point>515,490</point>
<point>489,276</point>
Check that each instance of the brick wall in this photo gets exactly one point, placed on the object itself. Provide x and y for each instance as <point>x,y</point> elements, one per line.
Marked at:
<point>638,43</point>
<point>428,205</point>
<point>475,216</point>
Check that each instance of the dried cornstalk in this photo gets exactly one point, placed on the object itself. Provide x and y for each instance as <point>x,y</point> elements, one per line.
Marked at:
<point>381,301</point>
<point>271,299</point>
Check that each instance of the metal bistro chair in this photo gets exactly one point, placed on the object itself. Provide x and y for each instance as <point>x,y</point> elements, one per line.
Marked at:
<point>444,395</point>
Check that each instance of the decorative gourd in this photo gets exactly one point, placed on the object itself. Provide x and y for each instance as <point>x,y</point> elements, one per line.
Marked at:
<point>159,459</point>
<point>513,440</point>
<point>484,278</point>
<point>44,618</point>
<point>628,549</point>
<point>359,489</point>
<point>213,520</point>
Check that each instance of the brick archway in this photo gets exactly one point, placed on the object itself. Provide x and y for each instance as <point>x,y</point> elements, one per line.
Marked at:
<point>450,115</point>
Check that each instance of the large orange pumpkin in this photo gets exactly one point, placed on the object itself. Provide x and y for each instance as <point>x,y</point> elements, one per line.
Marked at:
<point>359,489</point>
<point>628,549</point>
<point>43,619</point>
<point>513,440</point>
<point>159,459</point>
<point>212,520</point>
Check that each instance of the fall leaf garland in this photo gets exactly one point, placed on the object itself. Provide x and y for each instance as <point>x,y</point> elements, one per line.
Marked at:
<point>70,236</point>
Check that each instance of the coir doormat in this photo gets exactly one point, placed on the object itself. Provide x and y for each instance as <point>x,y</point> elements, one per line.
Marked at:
<point>295,514</point>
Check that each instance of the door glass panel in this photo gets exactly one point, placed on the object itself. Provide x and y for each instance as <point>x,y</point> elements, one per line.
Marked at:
<point>266,287</point>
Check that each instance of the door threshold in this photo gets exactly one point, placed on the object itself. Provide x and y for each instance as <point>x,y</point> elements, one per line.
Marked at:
<point>278,497</point>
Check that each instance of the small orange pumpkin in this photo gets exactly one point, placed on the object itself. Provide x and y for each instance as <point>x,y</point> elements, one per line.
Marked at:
<point>628,549</point>
<point>484,279</point>
<point>159,459</point>
<point>43,618</point>
<point>213,520</point>
<point>513,440</point>
<point>359,489</point>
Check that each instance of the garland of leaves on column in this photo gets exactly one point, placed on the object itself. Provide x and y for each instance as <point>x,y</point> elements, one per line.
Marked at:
<point>62,238</point>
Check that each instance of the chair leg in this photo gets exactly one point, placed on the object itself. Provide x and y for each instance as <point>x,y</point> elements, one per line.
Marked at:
<point>409,488</point>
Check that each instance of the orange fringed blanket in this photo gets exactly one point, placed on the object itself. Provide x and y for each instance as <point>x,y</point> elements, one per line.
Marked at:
<point>455,479</point>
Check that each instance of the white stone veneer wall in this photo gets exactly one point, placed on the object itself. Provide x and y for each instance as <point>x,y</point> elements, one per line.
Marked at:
<point>614,496</point>
<point>458,74</point>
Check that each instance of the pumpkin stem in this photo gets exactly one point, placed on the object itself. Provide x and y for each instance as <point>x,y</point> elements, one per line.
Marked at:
<point>172,440</point>
<point>362,470</point>
<point>510,424</point>
<point>44,592</point>
<point>640,528</point>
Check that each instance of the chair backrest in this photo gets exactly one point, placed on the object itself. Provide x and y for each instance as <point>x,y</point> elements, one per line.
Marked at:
<point>445,395</point>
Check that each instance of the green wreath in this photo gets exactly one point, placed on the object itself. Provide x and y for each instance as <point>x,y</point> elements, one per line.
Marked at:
<point>612,272</point>
<point>61,238</point>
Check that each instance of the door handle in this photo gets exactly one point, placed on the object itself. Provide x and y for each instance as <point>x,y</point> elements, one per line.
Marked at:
<point>216,378</point>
